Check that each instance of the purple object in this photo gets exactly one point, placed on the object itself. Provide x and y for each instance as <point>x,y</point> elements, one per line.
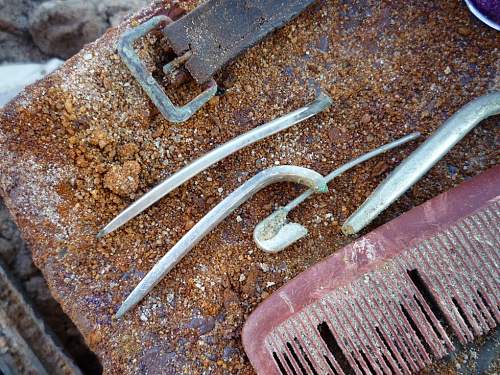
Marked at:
<point>487,11</point>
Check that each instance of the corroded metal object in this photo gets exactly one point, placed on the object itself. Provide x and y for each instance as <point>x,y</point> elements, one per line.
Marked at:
<point>423,159</point>
<point>275,233</point>
<point>394,300</point>
<point>218,31</point>
<point>148,82</point>
<point>205,40</point>
<point>269,176</point>
<point>322,102</point>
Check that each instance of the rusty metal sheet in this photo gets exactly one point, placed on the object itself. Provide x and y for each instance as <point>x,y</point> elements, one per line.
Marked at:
<point>219,30</point>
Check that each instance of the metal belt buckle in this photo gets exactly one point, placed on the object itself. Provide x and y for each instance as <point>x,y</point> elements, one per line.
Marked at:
<point>171,112</point>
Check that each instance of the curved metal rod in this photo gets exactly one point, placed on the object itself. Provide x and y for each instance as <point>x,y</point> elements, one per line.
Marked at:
<point>275,233</point>
<point>322,102</point>
<point>422,159</point>
<point>269,176</point>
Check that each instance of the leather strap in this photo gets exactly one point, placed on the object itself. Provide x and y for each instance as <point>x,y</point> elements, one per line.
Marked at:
<point>219,30</point>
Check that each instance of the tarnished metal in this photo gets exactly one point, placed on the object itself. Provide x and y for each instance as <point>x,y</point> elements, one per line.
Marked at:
<point>269,176</point>
<point>147,81</point>
<point>423,159</point>
<point>322,102</point>
<point>218,31</point>
<point>275,233</point>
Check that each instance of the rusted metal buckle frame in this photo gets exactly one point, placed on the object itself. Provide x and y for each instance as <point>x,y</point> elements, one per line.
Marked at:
<point>156,93</point>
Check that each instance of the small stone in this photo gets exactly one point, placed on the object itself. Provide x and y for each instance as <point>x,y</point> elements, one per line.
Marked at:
<point>188,224</point>
<point>447,70</point>
<point>452,171</point>
<point>264,267</point>
<point>100,138</point>
<point>143,317</point>
<point>242,277</point>
<point>333,134</point>
<point>229,353</point>
<point>464,31</point>
<point>379,168</point>
<point>94,338</point>
<point>123,179</point>
<point>270,284</point>
<point>128,150</point>
<point>202,324</point>
<point>220,190</point>
<point>323,43</point>
<point>313,68</point>
<point>199,285</point>
<point>68,105</point>
<point>228,81</point>
<point>213,102</point>
<point>366,118</point>
<point>239,219</point>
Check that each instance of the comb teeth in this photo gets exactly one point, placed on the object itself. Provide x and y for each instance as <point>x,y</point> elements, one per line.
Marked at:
<point>400,315</point>
<point>393,319</point>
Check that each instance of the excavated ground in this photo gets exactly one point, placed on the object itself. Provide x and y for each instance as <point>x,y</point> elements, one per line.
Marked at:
<point>84,143</point>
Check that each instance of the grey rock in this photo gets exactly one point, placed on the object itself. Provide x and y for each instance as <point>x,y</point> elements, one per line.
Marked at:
<point>62,27</point>
<point>202,324</point>
<point>15,41</point>
<point>115,11</point>
<point>229,353</point>
<point>159,361</point>
<point>7,250</point>
<point>212,357</point>
<point>23,265</point>
<point>37,289</point>
<point>8,229</point>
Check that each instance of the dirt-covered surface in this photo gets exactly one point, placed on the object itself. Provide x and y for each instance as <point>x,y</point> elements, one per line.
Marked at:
<point>80,146</point>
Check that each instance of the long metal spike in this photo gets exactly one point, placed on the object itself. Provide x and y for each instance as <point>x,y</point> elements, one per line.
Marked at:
<point>322,102</point>
<point>423,159</point>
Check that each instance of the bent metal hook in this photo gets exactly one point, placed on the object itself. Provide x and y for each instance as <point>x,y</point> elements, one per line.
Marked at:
<point>301,175</point>
<point>322,102</point>
<point>275,233</point>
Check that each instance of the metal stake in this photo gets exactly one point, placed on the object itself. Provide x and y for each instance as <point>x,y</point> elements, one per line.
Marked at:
<point>322,102</point>
<point>422,159</point>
